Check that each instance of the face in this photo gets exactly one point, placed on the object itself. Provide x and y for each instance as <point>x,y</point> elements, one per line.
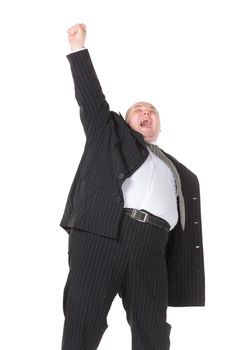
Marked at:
<point>144,118</point>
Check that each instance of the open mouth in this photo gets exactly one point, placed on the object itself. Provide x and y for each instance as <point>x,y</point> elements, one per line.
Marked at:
<point>146,123</point>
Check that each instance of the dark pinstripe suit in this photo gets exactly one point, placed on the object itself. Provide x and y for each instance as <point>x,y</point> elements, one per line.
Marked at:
<point>113,151</point>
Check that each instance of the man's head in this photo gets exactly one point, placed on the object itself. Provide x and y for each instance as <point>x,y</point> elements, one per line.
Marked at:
<point>144,118</point>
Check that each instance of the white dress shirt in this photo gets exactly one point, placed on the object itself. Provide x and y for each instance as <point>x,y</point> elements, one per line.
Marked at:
<point>152,187</point>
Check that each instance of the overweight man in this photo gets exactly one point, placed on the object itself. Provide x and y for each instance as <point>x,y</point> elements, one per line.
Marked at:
<point>133,219</point>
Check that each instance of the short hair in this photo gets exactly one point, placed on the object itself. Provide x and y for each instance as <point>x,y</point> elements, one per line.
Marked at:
<point>127,113</point>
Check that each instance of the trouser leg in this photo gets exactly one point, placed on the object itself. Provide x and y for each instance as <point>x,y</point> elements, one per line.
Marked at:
<point>91,286</point>
<point>144,290</point>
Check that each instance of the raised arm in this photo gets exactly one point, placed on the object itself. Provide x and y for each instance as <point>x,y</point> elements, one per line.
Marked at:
<point>94,109</point>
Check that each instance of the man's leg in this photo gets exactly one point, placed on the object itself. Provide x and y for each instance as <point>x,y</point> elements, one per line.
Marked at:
<point>144,290</point>
<point>93,281</point>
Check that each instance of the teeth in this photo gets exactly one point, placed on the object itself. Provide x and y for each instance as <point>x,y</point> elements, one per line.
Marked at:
<point>149,121</point>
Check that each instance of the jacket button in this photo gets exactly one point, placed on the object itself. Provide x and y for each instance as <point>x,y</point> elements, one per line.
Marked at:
<point>121,175</point>
<point>131,166</point>
<point>118,199</point>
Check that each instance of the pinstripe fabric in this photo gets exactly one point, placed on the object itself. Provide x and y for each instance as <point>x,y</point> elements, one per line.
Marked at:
<point>114,151</point>
<point>132,266</point>
<point>155,149</point>
<point>184,253</point>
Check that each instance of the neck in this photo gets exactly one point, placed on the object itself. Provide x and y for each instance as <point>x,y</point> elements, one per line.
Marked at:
<point>153,142</point>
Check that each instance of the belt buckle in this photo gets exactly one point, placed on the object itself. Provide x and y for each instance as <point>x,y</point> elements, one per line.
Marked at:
<point>134,211</point>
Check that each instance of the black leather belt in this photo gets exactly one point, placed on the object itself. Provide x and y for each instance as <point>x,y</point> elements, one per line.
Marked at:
<point>144,216</point>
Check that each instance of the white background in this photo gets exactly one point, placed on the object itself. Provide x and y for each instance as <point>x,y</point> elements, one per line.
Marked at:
<point>190,59</point>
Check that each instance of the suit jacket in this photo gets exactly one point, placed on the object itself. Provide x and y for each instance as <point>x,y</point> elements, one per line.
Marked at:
<point>114,151</point>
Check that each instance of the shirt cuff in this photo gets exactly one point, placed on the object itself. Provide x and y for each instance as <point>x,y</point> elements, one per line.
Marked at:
<point>82,48</point>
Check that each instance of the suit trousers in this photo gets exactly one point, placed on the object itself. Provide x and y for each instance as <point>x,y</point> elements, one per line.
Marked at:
<point>133,266</point>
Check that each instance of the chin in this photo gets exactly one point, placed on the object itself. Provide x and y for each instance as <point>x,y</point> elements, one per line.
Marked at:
<point>149,138</point>
<point>152,137</point>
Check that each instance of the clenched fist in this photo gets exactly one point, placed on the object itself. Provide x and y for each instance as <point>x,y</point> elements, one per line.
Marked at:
<point>77,36</point>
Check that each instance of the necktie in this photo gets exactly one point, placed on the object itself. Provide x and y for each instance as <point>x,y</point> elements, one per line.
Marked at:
<point>156,150</point>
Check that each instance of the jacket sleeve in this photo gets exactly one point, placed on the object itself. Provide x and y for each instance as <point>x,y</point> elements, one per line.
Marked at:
<point>94,109</point>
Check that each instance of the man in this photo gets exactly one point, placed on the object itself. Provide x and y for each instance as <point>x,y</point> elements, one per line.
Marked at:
<point>133,218</point>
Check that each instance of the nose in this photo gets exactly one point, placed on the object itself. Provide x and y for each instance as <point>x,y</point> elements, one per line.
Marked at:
<point>146,112</point>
